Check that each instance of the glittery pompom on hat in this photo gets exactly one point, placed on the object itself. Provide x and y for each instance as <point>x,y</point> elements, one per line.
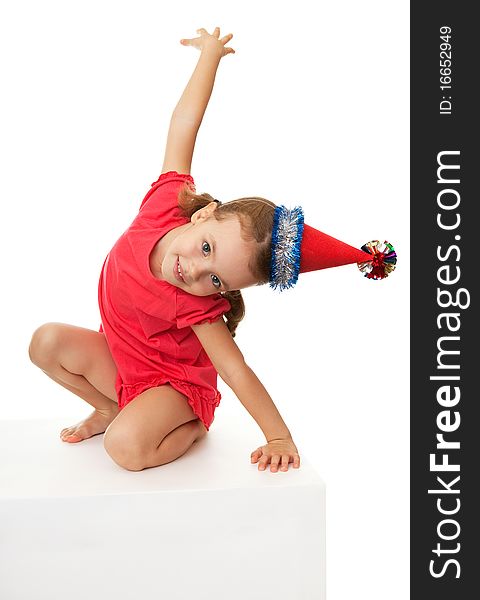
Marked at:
<point>382,260</point>
<point>298,248</point>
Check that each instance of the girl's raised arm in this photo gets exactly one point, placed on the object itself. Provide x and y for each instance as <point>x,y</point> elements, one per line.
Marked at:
<point>188,114</point>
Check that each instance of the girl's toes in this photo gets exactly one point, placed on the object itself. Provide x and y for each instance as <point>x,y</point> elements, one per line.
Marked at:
<point>68,433</point>
<point>72,436</point>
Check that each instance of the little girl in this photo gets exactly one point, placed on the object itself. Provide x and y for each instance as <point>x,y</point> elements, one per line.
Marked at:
<point>150,372</point>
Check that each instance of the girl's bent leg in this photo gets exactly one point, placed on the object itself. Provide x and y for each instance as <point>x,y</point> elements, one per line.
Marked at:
<point>153,429</point>
<point>79,360</point>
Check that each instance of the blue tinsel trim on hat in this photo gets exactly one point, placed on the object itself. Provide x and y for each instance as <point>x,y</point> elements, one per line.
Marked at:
<point>287,235</point>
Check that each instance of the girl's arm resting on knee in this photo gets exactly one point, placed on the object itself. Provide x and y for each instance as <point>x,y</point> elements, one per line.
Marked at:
<point>230,364</point>
<point>188,114</point>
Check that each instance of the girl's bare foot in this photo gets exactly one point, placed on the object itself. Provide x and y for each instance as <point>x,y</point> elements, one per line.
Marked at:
<point>96,423</point>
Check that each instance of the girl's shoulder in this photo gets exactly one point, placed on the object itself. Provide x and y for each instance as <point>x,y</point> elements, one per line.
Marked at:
<point>162,197</point>
<point>173,176</point>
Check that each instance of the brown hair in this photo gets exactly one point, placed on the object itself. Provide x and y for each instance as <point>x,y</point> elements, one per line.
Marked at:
<point>256,219</point>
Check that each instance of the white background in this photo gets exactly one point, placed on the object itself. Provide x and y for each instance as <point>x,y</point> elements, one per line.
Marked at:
<point>312,110</point>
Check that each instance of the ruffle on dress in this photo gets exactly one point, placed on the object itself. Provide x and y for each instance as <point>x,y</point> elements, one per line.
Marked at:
<point>202,406</point>
<point>175,175</point>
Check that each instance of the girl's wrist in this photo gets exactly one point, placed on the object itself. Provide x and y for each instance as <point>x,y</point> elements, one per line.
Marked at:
<point>279,438</point>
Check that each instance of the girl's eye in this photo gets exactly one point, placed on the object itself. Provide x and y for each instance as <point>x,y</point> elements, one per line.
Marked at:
<point>216,281</point>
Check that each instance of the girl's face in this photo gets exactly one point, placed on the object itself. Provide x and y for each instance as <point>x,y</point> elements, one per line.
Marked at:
<point>211,254</point>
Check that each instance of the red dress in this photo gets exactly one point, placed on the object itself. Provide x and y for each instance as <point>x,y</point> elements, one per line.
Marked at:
<point>146,321</point>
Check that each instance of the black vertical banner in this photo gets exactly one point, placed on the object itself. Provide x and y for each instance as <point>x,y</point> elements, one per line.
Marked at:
<point>445,422</point>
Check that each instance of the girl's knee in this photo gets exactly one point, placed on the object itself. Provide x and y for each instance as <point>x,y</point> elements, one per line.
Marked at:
<point>126,455</point>
<point>44,344</point>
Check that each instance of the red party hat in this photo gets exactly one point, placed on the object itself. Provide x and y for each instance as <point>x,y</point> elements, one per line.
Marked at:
<point>321,251</point>
<point>299,248</point>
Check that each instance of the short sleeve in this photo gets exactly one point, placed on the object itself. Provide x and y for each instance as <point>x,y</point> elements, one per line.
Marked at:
<point>164,191</point>
<point>194,310</point>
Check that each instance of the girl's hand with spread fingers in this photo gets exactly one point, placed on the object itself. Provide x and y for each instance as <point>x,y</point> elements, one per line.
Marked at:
<point>210,40</point>
<point>281,451</point>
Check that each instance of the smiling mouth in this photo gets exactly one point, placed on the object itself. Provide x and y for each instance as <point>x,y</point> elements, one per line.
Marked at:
<point>177,271</point>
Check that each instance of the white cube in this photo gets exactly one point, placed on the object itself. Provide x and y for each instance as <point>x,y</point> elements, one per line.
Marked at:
<point>207,526</point>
